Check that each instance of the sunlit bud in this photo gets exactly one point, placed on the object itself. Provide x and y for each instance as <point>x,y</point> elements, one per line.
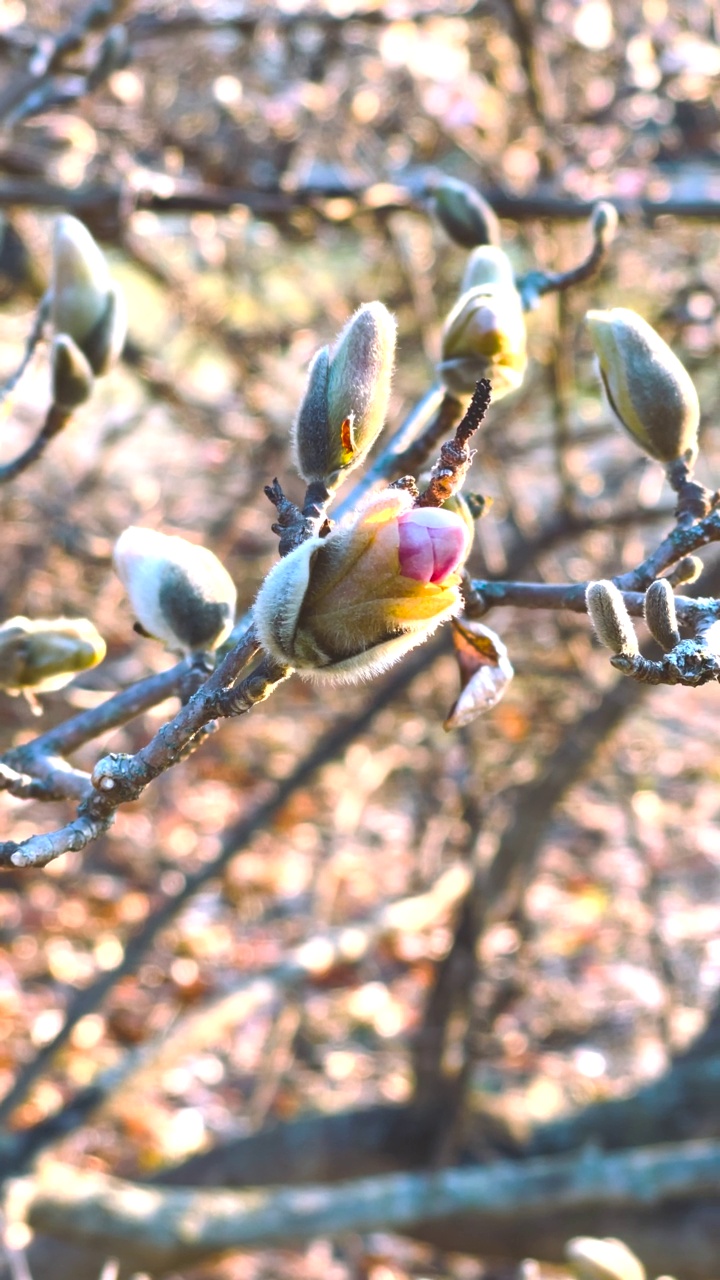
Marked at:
<point>180,593</point>
<point>85,303</point>
<point>649,391</point>
<point>484,337</point>
<point>349,605</point>
<point>488,265</point>
<point>464,214</point>
<point>687,570</point>
<point>610,618</point>
<point>604,223</point>
<point>72,377</point>
<point>660,614</point>
<point>43,655</point>
<point>592,1259</point>
<point>346,401</point>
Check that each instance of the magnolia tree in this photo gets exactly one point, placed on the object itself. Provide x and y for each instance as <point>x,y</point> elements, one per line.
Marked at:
<point>358,585</point>
<point>363,577</point>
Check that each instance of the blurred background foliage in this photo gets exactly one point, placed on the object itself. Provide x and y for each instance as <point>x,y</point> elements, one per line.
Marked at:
<point>254,173</point>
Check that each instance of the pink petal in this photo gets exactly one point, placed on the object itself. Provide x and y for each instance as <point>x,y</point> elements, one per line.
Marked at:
<point>432,543</point>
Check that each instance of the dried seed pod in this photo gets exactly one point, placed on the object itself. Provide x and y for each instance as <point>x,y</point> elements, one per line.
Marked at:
<point>345,404</point>
<point>608,1259</point>
<point>45,654</point>
<point>660,614</point>
<point>349,605</point>
<point>180,593</point>
<point>610,618</point>
<point>464,214</point>
<point>649,391</point>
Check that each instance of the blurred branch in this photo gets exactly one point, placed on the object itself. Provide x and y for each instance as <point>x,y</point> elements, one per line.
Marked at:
<point>56,419</point>
<point>31,343</point>
<point>531,1208</point>
<point>106,206</point>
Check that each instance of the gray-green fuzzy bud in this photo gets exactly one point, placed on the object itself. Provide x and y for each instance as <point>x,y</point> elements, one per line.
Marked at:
<point>610,618</point>
<point>661,615</point>
<point>464,214</point>
<point>72,377</point>
<point>592,1259</point>
<point>44,655</point>
<point>180,592</point>
<point>85,304</point>
<point>346,401</point>
<point>649,391</point>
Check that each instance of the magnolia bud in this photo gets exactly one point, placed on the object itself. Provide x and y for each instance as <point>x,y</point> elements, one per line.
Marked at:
<point>660,614</point>
<point>349,605</point>
<point>344,407</point>
<point>609,1259</point>
<point>45,655</point>
<point>488,265</point>
<point>649,391</point>
<point>467,218</point>
<point>611,619</point>
<point>604,223</point>
<point>72,377</point>
<point>85,303</point>
<point>484,337</point>
<point>180,593</point>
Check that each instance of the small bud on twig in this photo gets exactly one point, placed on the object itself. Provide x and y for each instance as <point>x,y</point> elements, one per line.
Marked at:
<point>687,570</point>
<point>84,302</point>
<point>464,214</point>
<point>346,401</point>
<point>180,593</point>
<point>604,224</point>
<point>649,391</point>
<point>44,655</point>
<point>661,615</point>
<point>611,619</point>
<point>609,1259</point>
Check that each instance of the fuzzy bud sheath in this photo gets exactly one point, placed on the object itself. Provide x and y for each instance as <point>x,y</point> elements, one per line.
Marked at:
<point>349,605</point>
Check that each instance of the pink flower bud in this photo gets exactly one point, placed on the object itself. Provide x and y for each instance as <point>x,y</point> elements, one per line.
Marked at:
<point>349,605</point>
<point>432,544</point>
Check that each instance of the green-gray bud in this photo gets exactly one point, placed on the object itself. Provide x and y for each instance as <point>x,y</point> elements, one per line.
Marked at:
<point>464,214</point>
<point>649,391</point>
<point>661,615</point>
<point>610,618</point>
<point>72,377</point>
<point>85,304</point>
<point>484,337</point>
<point>488,265</point>
<point>44,655</point>
<point>346,401</point>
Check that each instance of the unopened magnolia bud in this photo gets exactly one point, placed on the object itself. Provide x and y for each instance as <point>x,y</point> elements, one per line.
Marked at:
<point>649,391</point>
<point>464,214</point>
<point>661,615</point>
<point>488,265</point>
<point>610,618</point>
<point>72,377</point>
<point>592,1259</point>
<point>43,655</point>
<point>686,570</point>
<point>604,223</point>
<point>180,593</point>
<point>484,337</point>
<point>347,606</point>
<point>85,303</point>
<point>344,407</point>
